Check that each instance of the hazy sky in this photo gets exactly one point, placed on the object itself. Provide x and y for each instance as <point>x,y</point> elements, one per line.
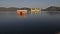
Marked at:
<point>29,3</point>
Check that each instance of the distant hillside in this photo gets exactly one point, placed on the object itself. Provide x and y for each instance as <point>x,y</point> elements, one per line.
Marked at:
<point>52,8</point>
<point>13,9</point>
<point>24,8</point>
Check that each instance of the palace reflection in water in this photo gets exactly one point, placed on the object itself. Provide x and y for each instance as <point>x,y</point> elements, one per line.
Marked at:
<point>36,13</point>
<point>41,22</point>
<point>25,14</point>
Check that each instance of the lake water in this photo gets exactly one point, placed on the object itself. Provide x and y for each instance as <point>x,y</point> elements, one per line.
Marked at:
<point>44,23</point>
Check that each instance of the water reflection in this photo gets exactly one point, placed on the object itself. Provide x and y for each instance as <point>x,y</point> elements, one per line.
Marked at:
<point>53,12</point>
<point>36,13</point>
<point>24,14</point>
<point>11,23</point>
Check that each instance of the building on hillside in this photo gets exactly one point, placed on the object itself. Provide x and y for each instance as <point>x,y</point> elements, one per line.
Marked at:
<point>35,10</point>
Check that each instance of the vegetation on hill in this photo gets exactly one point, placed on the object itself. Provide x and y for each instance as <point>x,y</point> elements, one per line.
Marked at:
<point>52,8</point>
<point>13,9</point>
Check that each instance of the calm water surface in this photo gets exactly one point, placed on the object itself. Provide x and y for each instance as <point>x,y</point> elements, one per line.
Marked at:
<point>44,22</point>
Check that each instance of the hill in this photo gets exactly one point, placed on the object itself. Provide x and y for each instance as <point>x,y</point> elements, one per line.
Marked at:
<point>52,8</point>
<point>13,9</point>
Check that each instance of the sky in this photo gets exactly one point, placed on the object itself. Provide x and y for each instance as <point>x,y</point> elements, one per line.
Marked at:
<point>29,3</point>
